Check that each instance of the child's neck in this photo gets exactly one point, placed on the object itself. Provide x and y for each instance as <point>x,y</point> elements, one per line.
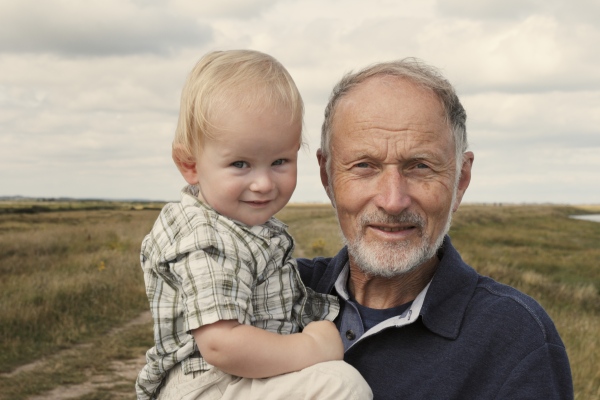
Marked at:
<point>200,197</point>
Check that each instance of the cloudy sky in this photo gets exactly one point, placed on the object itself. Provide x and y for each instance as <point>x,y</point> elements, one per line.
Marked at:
<point>89,90</point>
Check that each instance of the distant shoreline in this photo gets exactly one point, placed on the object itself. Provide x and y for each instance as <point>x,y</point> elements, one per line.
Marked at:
<point>591,217</point>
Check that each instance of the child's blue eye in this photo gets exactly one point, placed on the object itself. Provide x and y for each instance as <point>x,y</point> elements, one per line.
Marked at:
<point>278,162</point>
<point>239,164</point>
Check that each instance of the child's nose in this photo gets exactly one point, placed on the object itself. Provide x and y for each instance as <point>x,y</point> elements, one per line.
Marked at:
<point>262,183</point>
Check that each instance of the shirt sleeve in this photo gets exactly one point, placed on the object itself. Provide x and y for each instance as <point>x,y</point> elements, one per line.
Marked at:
<point>214,286</point>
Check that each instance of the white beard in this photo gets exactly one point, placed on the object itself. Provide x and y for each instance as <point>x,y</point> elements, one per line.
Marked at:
<point>385,259</point>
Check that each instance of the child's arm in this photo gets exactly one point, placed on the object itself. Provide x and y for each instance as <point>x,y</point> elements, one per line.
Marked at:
<point>250,352</point>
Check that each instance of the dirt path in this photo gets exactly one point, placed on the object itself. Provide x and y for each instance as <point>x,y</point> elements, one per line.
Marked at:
<point>118,381</point>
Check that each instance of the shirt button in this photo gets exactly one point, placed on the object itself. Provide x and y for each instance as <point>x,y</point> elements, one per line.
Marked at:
<point>350,335</point>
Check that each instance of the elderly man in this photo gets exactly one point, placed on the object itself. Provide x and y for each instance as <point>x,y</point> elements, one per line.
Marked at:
<point>418,322</point>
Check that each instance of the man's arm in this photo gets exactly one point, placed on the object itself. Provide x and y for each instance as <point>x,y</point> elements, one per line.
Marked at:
<point>250,352</point>
<point>543,374</point>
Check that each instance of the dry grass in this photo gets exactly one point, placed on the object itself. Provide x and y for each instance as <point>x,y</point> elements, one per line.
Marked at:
<point>314,228</point>
<point>70,275</point>
<point>551,257</point>
<point>66,277</point>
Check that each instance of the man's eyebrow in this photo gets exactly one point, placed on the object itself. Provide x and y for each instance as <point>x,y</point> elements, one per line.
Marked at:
<point>358,155</point>
<point>363,155</point>
<point>426,155</point>
<point>423,156</point>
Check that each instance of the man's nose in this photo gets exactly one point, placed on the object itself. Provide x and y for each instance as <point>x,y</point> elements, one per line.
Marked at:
<point>262,182</point>
<point>392,191</point>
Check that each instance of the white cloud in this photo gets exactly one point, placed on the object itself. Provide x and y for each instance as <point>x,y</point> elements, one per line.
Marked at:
<point>554,118</point>
<point>89,91</point>
<point>95,27</point>
<point>533,54</point>
<point>237,9</point>
<point>487,9</point>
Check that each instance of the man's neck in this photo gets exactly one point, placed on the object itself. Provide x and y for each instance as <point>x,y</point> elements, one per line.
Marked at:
<point>379,293</point>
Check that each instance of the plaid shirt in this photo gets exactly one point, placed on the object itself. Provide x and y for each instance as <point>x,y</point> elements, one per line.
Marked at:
<point>201,267</point>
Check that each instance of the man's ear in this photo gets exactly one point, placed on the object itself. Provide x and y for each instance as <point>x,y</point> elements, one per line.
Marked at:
<point>324,176</point>
<point>465,178</point>
<point>185,165</point>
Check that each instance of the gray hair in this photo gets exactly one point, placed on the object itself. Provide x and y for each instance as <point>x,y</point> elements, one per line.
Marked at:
<point>416,72</point>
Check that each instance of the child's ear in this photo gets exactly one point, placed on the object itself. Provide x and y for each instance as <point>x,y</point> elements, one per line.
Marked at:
<point>186,166</point>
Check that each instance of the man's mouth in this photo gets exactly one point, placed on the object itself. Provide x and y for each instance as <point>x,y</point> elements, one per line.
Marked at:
<point>392,223</point>
<point>393,229</point>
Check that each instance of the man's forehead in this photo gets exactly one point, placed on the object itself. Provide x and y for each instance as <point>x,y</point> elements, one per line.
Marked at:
<point>383,86</point>
<point>403,145</point>
<point>382,97</point>
<point>390,103</point>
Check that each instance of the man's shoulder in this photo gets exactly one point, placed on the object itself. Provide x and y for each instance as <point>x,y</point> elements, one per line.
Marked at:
<point>511,309</point>
<point>462,301</point>
<point>320,273</point>
<point>312,270</point>
<point>315,265</point>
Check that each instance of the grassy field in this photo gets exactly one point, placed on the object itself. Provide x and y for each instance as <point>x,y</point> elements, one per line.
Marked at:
<point>70,275</point>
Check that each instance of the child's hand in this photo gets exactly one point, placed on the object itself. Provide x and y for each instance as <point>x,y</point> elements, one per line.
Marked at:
<point>327,338</point>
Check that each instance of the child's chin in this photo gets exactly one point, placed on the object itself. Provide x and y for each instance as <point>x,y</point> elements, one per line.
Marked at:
<point>253,221</point>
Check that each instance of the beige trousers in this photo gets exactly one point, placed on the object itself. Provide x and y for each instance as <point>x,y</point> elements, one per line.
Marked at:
<point>323,381</point>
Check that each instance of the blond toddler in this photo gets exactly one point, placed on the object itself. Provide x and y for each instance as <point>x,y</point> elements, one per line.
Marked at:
<point>232,319</point>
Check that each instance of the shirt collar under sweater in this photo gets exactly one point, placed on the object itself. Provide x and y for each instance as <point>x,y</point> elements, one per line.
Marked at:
<point>446,297</point>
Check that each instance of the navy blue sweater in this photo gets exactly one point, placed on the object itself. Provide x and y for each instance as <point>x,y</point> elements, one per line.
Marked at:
<point>475,339</point>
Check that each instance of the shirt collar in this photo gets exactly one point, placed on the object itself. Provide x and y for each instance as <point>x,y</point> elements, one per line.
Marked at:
<point>190,196</point>
<point>407,317</point>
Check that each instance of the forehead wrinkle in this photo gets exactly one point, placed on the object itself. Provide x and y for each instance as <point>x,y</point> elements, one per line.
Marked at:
<point>373,123</point>
<point>366,146</point>
<point>407,126</point>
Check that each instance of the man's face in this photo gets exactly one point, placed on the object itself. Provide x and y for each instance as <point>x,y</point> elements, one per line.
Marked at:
<point>393,175</point>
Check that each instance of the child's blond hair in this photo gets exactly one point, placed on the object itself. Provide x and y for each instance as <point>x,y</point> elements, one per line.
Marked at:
<point>222,80</point>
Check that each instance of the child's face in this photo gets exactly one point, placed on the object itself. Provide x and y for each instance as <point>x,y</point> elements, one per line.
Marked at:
<point>248,172</point>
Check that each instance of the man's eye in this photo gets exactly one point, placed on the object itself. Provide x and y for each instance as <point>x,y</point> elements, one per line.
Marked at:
<point>422,166</point>
<point>281,161</point>
<point>239,164</point>
<point>362,165</point>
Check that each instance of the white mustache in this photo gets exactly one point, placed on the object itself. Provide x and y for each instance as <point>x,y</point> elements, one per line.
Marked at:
<point>406,217</point>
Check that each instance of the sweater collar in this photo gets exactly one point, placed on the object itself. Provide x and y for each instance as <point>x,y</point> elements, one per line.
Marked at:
<point>450,292</point>
<point>448,295</point>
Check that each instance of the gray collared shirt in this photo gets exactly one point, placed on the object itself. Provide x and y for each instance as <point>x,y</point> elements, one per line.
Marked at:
<point>350,323</point>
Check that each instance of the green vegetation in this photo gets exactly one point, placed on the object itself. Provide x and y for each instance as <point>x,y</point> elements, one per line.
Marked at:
<point>551,257</point>
<point>70,275</point>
